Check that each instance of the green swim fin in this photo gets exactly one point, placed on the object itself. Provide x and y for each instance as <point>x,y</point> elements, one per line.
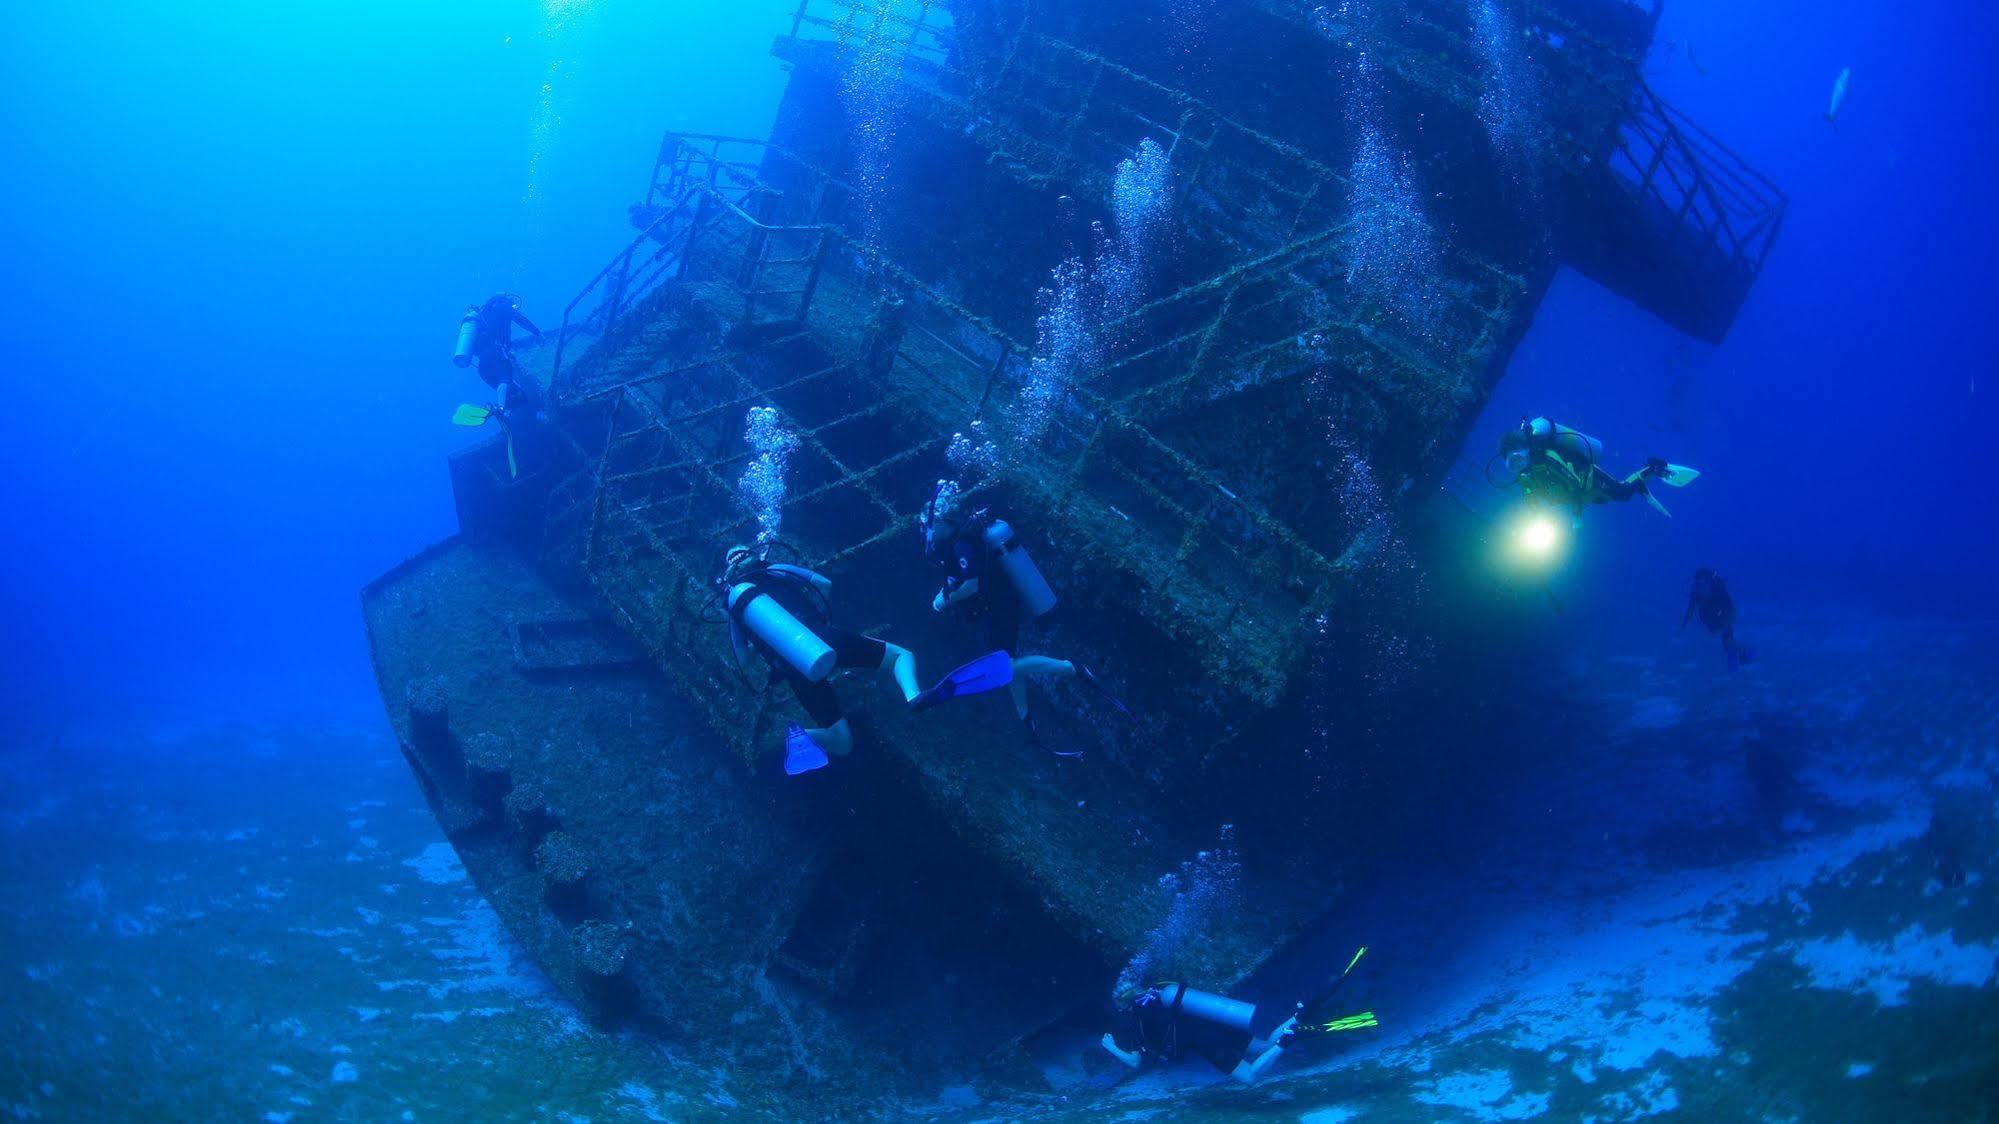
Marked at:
<point>1362,1021</point>
<point>470,415</point>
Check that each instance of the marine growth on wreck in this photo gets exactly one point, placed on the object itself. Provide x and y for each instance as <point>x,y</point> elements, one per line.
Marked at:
<point>1206,345</point>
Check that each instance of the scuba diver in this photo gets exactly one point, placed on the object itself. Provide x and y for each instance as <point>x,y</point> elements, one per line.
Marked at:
<point>1710,601</point>
<point>486,336</point>
<point>1171,1021</point>
<point>781,612</point>
<point>988,572</point>
<point>1560,466</point>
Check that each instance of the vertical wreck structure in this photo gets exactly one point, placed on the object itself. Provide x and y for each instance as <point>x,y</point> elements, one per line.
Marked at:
<point>1174,270</point>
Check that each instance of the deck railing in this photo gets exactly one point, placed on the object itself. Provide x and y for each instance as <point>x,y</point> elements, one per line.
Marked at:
<point>1723,214</point>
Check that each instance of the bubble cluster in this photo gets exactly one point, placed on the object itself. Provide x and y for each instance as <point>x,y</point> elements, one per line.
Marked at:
<point>1198,897</point>
<point>1332,23</point>
<point>1392,253</point>
<point>561,19</point>
<point>1067,348</point>
<point>763,482</point>
<point>972,456</point>
<point>1086,298</point>
<point>1510,105</point>
<point>1393,260</point>
<point>871,88</point>
<point>1142,198</point>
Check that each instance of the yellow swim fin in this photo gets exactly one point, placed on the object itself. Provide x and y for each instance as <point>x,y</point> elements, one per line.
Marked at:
<point>1351,964</point>
<point>470,415</point>
<point>1676,475</point>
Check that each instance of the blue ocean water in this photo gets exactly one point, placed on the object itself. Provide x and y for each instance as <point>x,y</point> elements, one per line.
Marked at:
<point>237,241</point>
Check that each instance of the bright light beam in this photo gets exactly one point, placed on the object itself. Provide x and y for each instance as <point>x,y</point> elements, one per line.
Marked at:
<point>1533,540</point>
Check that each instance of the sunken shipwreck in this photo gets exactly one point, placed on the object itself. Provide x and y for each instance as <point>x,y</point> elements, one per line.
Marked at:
<point>1210,342</point>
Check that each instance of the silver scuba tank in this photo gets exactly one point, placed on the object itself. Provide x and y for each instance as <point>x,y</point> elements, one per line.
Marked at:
<point>1572,445</point>
<point>783,633</point>
<point>468,334</point>
<point>1209,1007</point>
<point>1036,595</point>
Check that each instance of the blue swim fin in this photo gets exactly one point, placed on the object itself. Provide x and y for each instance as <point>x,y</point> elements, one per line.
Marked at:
<point>801,753</point>
<point>989,672</point>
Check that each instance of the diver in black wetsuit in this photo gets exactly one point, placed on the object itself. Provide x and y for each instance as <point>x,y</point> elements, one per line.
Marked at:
<point>988,573</point>
<point>1560,466</point>
<point>1167,1022</point>
<point>1710,601</point>
<point>781,612</point>
<point>486,336</point>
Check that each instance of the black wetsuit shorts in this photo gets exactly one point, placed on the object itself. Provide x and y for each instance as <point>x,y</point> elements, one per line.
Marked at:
<point>852,651</point>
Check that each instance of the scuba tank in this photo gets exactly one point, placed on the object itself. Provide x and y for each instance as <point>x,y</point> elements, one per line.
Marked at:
<point>1579,449</point>
<point>468,335</point>
<point>781,632</point>
<point>1036,596</point>
<point>1209,1007</point>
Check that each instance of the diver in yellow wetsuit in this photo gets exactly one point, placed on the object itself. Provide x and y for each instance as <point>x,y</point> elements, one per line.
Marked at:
<point>1562,467</point>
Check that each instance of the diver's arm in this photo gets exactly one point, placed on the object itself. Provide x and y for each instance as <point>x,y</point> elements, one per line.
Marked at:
<point>951,594</point>
<point>524,322</point>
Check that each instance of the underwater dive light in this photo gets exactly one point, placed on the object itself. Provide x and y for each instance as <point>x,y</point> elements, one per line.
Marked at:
<point>1534,540</point>
<point>1539,535</point>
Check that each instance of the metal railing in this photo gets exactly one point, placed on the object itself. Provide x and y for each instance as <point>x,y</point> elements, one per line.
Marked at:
<point>937,366</point>
<point>693,174</point>
<point>911,29</point>
<point>1722,211</point>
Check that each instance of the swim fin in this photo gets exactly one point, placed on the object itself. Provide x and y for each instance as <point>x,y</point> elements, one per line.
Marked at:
<point>1319,1001</point>
<point>1673,475</point>
<point>989,672</point>
<point>1363,1021</point>
<point>473,416</point>
<point>801,753</point>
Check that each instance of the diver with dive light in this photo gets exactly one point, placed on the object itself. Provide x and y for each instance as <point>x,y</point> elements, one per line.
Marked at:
<point>1562,467</point>
<point>782,613</point>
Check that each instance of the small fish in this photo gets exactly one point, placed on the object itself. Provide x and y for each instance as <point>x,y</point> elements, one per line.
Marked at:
<point>1839,88</point>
